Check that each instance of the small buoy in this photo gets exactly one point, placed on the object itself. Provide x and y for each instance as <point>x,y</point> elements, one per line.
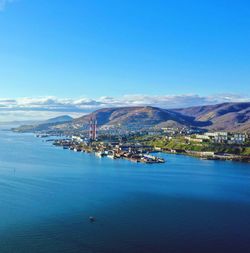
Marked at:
<point>92,219</point>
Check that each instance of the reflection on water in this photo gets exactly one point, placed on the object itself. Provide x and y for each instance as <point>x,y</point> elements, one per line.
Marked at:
<point>184,205</point>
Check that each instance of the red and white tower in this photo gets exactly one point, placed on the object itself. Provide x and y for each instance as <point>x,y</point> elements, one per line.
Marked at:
<point>93,129</point>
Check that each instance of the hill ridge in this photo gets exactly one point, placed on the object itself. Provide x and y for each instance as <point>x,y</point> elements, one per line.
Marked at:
<point>224,116</point>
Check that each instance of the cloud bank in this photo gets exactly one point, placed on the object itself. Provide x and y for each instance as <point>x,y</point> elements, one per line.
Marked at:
<point>44,107</point>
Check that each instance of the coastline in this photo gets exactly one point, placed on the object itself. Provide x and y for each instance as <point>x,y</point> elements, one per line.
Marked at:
<point>212,156</point>
<point>111,150</point>
<point>133,157</point>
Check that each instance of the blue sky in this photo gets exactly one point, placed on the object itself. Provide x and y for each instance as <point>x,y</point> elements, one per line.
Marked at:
<point>95,48</point>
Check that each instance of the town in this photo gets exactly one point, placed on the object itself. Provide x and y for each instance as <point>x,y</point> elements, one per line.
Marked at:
<point>142,145</point>
<point>111,148</point>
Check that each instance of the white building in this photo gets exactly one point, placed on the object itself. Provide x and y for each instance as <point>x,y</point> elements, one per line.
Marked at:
<point>225,137</point>
<point>238,138</point>
<point>77,138</point>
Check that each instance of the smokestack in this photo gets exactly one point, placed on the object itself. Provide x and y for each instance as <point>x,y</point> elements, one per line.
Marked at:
<point>93,129</point>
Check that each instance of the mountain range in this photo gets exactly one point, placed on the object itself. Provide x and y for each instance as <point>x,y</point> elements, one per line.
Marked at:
<point>226,116</point>
<point>219,117</point>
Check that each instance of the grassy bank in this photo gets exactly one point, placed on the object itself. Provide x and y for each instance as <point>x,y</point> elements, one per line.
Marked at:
<point>180,143</point>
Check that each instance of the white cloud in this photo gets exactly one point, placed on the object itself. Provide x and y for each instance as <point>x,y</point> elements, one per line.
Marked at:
<point>3,3</point>
<point>45,107</point>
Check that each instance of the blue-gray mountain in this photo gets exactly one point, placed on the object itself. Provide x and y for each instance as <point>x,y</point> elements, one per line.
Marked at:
<point>226,116</point>
<point>44,125</point>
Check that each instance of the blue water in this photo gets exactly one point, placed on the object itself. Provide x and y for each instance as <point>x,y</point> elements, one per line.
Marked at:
<point>184,205</point>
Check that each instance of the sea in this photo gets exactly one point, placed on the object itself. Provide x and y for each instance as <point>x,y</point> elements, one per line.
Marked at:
<point>47,195</point>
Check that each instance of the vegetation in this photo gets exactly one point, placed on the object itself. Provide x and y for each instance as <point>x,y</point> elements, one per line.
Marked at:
<point>246,151</point>
<point>180,143</point>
